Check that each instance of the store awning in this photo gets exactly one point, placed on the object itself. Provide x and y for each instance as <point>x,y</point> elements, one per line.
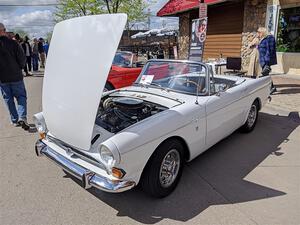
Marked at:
<point>173,7</point>
<point>167,31</point>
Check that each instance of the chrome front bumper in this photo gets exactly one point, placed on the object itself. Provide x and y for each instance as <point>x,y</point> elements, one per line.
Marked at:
<point>88,178</point>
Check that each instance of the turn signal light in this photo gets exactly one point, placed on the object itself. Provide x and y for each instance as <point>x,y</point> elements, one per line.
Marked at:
<point>118,173</point>
<point>42,135</point>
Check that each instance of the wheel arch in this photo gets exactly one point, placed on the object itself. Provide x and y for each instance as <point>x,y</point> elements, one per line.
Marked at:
<point>258,100</point>
<point>184,144</point>
<point>181,140</point>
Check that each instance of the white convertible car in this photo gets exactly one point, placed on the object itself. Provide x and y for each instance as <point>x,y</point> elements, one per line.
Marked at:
<point>142,134</point>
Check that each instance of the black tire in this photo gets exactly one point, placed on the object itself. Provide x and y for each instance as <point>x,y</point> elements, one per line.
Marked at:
<point>108,87</point>
<point>251,122</point>
<point>152,178</point>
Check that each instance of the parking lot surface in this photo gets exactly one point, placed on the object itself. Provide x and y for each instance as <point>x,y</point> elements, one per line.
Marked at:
<point>244,179</point>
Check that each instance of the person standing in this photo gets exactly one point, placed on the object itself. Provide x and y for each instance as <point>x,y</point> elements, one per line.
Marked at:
<point>267,52</point>
<point>46,48</point>
<point>12,61</point>
<point>35,55</point>
<point>28,52</point>
<point>254,69</point>
<point>42,52</point>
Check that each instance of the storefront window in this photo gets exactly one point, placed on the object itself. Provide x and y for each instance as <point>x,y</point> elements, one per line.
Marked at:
<point>288,38</point>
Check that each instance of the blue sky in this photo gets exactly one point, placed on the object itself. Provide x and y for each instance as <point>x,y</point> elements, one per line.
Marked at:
<point>38,20</point>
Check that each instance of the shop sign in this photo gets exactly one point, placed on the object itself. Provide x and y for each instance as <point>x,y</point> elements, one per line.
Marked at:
<point>202,10</point>
<point>271,18</point>
<point>198,37</point>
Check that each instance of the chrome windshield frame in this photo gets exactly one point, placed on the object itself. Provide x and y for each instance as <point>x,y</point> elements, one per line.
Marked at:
<point>207,69</point>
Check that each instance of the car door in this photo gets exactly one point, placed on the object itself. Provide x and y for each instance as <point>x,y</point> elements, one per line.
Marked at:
<point>224,112</point>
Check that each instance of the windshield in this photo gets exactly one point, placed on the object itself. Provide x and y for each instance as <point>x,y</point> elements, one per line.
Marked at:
<point>123,59</point>
<point>186,77</point>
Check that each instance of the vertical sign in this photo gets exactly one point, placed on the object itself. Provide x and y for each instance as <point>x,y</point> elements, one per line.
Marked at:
<point>202,10</point>
<point>198,37</point>
<point>175,52</point>
<point>271,19</point>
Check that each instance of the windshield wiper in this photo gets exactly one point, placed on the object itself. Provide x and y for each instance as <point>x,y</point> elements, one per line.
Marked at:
<point>155,84</point>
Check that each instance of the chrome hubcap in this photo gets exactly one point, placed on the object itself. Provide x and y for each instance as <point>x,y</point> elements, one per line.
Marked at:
<point>169,168</point>
<point>252,116</point>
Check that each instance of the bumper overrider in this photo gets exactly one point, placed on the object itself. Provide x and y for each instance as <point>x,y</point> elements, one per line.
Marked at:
<point>88,178</point>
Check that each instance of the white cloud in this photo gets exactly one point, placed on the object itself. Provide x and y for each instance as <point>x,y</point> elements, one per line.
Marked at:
<point>36,23</point>
<point>20,2</point>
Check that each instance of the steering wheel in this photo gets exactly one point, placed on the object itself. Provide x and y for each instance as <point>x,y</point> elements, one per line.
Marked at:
<point>185,81</point>
<point>192,82</point>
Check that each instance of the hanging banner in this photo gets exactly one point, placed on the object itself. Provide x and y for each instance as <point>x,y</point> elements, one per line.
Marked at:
<point>198,37</point>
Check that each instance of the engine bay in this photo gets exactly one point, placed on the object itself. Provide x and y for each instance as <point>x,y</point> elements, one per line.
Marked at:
<point>116,113</point>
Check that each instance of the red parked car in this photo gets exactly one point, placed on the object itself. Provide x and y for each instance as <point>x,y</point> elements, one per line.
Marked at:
<point>124,71</point>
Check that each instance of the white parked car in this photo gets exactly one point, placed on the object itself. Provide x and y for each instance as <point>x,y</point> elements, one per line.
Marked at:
<point>143,134</point>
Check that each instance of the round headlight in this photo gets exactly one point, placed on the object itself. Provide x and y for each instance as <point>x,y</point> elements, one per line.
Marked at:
<point>41,128</point>
<point>106,155</point>
<point>40,123</point>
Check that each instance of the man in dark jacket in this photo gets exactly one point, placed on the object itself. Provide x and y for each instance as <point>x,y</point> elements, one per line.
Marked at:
<point>42,52</point>
<point>267,53</point>
<point>28,52</point>
<point>12,61</point>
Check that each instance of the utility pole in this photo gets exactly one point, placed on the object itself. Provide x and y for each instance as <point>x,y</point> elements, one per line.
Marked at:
<point>164,23</point>
<point>149,18</point>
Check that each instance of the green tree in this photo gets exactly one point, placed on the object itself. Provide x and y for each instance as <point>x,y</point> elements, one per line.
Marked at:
<point>49,36</point>
<point>67,9</point>
<point>135,9</point>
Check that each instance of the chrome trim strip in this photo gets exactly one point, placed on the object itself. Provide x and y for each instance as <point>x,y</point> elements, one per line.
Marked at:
<point>88,178</point>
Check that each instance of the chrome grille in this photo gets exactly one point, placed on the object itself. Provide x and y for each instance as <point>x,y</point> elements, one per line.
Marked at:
<point>76,152</point>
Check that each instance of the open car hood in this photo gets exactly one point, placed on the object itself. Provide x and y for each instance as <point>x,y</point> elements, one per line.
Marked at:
<point>80,57</point>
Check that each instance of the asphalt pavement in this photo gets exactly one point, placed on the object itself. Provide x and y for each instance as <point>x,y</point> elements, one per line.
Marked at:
<point>244,179</point>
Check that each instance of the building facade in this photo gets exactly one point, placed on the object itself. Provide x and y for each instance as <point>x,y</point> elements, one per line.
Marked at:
<point>233,24</point>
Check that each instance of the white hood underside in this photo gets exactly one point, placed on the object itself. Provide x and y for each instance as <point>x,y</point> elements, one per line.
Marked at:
<point>78,63</point>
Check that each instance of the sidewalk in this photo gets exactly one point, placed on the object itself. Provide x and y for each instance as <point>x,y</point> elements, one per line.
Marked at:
<point>287,96</point>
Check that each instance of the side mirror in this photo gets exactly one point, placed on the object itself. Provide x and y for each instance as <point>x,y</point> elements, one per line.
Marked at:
<point>221,88</point>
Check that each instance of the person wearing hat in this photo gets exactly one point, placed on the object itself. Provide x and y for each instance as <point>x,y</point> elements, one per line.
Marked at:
<point>12,61</point>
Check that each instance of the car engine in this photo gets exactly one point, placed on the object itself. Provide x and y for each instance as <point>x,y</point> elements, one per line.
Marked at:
<point>117,113</point>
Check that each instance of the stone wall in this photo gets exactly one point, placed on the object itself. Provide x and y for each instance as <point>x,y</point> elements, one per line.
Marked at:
<point>254,17</point>
<point>184,36</point>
